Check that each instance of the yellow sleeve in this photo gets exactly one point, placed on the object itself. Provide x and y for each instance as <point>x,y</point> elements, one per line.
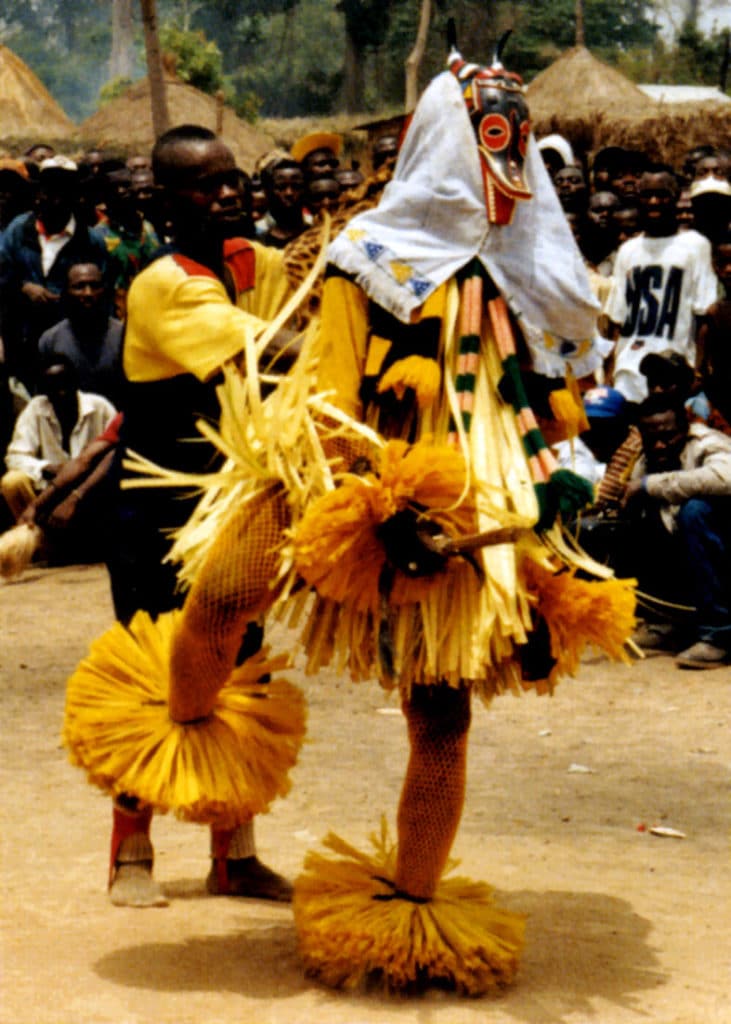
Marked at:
<point>271,288</point>
<point>343,342</point>
<point>178,322</point>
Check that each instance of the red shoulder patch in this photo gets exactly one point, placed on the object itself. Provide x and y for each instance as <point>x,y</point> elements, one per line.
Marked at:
<point>240,258</point>
<point>193,268</point>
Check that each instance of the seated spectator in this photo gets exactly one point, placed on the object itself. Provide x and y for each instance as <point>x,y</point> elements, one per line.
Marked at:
<point>691,158</point>
<point>626,221</point>
<point>139,162</point>
<point>588,454</point>
<point>603,167</point>
<point>318,154</point>
<point>259,201</point>
<point>130,240</point>
<point>678,538</point>
<point>628,168</point>
<point>285,187</point>
<point>36,251</point>
<point>556,153</point>
<point>89,337</point>
<point>147,198</point>
<point>684,211</point>
<point>385,151</point>
<point>710,199</point>
<point>349,178</point>
<point>54,427</point>
<point>714,342</point>
<point>667,374</point>
<point>74,510</point>
<point>710,166</point>
<point>39,152</point>
<point>572,190</point>
<point>322,196</point>
<point>16,191</point>
<point>600,232</point>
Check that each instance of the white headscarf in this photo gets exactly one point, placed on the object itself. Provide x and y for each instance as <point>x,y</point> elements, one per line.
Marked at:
<point>432,220</point>
<point>560,145</point>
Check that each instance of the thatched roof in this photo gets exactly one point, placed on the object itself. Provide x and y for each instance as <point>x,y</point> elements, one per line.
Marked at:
<point>593,106</point>
<point>126,122</point>
<point>27,109</point>
<point>577,85</point>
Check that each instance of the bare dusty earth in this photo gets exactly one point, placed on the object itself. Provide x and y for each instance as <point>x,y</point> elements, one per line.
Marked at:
<point>623,925</point>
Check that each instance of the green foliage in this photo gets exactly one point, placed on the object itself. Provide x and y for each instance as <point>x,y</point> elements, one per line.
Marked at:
<point>113,88</point>
<point>295,63</point>
<point>697,58</point>
<point>199,60</point>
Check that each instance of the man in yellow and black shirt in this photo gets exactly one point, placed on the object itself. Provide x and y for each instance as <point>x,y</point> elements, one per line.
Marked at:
<point>187,315</point>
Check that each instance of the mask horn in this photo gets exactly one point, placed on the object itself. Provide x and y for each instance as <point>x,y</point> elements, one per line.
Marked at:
<point>452,36</point>
<point>497,60</point>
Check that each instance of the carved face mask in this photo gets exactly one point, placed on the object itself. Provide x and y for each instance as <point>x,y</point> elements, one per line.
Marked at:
<point>499,115</point>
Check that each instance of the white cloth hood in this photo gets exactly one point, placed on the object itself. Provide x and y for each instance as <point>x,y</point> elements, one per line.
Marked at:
<point>431,221</point>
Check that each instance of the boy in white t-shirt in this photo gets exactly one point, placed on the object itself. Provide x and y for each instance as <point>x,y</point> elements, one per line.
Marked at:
<point>663,281</point>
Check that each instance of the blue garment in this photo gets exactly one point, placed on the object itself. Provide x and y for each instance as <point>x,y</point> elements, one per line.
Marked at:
<point>704,533</point>
<point>22,322</point>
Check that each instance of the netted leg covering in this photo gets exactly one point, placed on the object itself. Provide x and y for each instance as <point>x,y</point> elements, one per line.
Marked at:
<point>234,586</point>
<point>433,792</point>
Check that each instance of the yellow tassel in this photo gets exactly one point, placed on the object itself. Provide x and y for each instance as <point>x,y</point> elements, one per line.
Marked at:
<point>568,415</point>
<point>353,928</point>
<point>580,612</point>
<point>416,372</point>
<point>219,770</point>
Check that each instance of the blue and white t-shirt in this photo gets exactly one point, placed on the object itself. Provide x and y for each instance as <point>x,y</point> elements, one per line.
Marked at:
<point>660,285</point>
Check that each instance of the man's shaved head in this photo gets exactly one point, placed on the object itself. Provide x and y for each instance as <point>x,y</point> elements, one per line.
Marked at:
<point>178,150</point>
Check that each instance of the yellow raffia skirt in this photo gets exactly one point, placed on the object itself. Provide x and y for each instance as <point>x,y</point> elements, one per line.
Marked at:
<point>218,771</point>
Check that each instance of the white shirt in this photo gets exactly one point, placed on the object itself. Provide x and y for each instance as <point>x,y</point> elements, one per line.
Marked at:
<point>51,245</point>
<point>37,440</point>
<point>660,285</point>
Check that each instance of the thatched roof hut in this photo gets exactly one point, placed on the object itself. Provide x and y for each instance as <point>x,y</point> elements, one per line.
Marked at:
<point>594,106</point>
<point>27,109</point>
<point>578,86</point>
<point>125,123</point>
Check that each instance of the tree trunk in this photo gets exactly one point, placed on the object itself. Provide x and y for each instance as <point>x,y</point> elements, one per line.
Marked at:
<point>414,59</point>
<point>354,80</point>
<point>160,118</point>
<point>122,59</point>
<point>580,39</point>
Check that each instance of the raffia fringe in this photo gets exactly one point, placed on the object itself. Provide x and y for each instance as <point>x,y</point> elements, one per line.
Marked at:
<point>352,932</point>
<point>220,770</point>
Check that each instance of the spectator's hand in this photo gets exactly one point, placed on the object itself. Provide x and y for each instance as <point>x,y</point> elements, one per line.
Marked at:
<point>632,492</point>
<point>36,293</point>
<point>49,471</point>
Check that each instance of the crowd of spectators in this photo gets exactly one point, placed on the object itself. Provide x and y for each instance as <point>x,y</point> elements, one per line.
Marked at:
<point>656,240</point>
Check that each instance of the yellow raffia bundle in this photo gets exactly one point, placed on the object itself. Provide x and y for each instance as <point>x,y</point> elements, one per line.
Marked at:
<point>420,374</point>
<point>219,770</point>
<point>568,413</point>
<point>580,612</point>
<point>353,930</point>
<point>336,548</point>
<point>17,547</point>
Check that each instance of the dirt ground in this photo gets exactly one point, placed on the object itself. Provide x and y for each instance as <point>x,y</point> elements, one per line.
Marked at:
<point>623,925</point>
